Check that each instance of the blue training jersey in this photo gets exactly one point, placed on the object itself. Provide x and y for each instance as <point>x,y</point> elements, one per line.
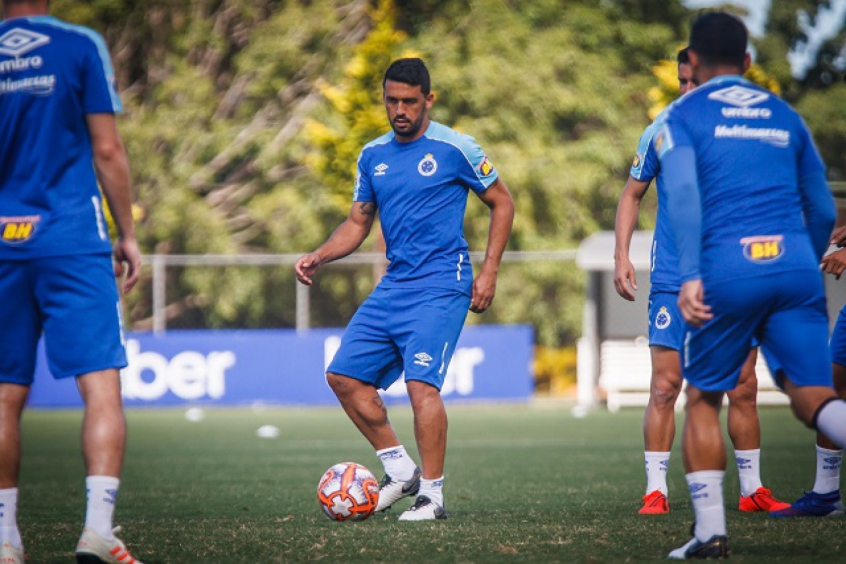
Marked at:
<point>421,191</point>
<point>664,263</point>
<point>52,74</point>
<point>751,153</point>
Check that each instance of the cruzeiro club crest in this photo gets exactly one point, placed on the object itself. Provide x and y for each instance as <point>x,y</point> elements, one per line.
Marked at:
<point>428,166</point>
<point>663,318</point>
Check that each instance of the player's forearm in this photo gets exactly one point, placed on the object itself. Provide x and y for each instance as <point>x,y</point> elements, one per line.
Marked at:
<point>112,166</point>
<point>819,209</point>
<point>347,238</point>
<point>499,231</point>
<point>624,226</point>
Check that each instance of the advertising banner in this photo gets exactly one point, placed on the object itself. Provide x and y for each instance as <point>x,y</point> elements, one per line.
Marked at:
<point>280,366</point>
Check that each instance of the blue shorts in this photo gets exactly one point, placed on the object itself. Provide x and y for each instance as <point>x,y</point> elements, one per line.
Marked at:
<point>838,339</point>
<point>666,324</point>
<point>396,330</point>
<point>74,301</point>
<point>786,312</point>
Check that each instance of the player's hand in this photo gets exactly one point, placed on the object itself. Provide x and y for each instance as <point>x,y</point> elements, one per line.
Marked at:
<point>834,263</point>
<point>624,279</point>
<point>838,236</point>
<point>126,252</point>
<point>306,266</point>
<point>691,303</point>
<point>484,288</point>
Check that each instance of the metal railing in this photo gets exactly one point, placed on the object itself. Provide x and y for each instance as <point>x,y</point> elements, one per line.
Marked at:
<point>160,264</point>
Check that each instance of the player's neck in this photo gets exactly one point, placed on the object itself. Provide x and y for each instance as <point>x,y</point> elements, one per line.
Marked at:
<point>420,132</point>
<point>705,74</point>
<point>25,10</point>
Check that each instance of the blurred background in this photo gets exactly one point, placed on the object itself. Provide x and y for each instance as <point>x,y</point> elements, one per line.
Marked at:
<point>244,119</point>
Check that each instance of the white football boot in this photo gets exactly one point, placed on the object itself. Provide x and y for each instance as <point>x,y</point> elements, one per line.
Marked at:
<point>391,491</point>
<point>94,549</point>
<point>424,509</point>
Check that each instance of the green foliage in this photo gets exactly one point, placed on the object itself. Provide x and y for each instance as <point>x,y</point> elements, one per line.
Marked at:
<point>357,104</point>
<point>245,118</point>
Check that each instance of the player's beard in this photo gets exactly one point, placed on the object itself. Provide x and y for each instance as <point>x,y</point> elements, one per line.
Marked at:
<point>413,128</point>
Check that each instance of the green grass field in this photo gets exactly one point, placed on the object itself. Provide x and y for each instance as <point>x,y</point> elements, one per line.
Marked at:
<point>523,483</point>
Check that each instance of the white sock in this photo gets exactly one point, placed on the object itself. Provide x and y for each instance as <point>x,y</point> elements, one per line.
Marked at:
<point>657,464</point>
<point>102,495</point>
<point>398,464</point>
<point>831,421</point>
<point>9,517</point>
<point>749,470</point>
<point>433,489</point>
<point>706,492</point>
<point>828,470</point>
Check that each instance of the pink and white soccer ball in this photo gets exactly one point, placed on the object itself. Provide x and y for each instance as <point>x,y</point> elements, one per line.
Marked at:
<point>348,492</point>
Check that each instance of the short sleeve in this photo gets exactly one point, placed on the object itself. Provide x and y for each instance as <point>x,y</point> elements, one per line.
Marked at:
<point>671,136</point>
<point>645,166</point>
<point>363,191</point>
<point>479,173</point>
<point>100,94</point>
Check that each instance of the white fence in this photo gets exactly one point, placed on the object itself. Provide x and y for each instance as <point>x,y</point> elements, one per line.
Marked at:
<point>160,264</point>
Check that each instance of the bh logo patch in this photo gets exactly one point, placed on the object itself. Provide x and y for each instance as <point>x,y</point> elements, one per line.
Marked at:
<point>763,249</point>
<point>663,318</point>
<point>428,166</point>
<point>18,230</point>
<point>486,167</point>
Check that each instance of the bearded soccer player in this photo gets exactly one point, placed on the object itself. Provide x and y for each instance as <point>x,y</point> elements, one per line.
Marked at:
<point>751,214</point>
<point>666,339</point>
<point>418,177</point>
<point>57,139</point>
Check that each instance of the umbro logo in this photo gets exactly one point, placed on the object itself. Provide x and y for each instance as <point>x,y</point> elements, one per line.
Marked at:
<point>17,42</point>
<point>697,486</point>
<point>423,359</point>
<point>739,96</point>
<point>380,169</point>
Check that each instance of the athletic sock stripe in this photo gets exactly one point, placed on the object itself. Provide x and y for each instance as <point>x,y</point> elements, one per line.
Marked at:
<point>819,410</point>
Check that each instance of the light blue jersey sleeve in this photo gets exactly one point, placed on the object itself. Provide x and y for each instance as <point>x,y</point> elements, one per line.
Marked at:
<point>100,94</point>
<point>818,205</point>
<point>479,172</point>
<point>363,192</point>
<point>100,87</point>
<point>682,200</point>
<point>646,165</point>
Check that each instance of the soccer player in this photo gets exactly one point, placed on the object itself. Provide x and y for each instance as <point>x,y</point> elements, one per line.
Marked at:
<point>57,139</point>
<point>751,214</point>
<point>418,177</point>
<point>825,499</point>
<point>666,338</point>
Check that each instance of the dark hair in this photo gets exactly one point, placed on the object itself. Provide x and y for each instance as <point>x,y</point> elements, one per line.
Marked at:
<point>683,57</point>
<point>409,71</point>
<point>719,38</point>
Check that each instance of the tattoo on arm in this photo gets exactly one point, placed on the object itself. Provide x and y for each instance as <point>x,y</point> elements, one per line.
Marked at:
<point>368,208</point>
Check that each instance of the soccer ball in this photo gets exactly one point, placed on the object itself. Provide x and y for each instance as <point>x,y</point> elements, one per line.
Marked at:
<point>348,492</point>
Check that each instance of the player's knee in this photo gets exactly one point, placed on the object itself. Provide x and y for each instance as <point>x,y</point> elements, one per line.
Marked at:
<point>744,396</point>
<point>665,389</point>
<point>341,385</point>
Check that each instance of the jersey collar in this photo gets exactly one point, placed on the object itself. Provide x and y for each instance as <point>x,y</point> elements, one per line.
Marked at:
<point>726,79</point>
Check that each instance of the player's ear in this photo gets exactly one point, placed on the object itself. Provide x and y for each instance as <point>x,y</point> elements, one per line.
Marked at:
<point>693,57</point>
<point>747,62</point>
<point>430,99</point>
